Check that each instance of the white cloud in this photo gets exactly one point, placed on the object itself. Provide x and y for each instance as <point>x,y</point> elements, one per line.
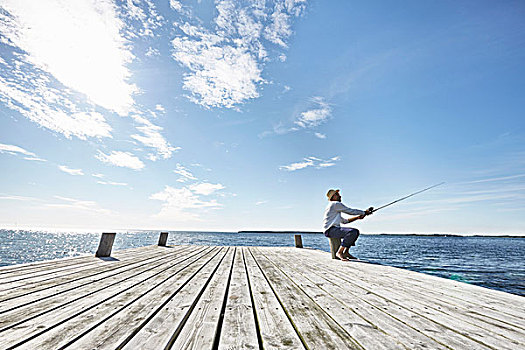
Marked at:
<point>184,172</point>
<point>100,176</point>
<point>315,116</point>
<point>35,159</point>
<point>96,56</point>
<point>61,203</point>
<point>314,162</point>
<point>14,150</point>
<point>112,183</point>
<point>11,149</point>
<point>160,108</point>
<point>279,29</point>
<point>499,178</point>
<point>143,16</point>
<point>152,52</point>
<point>71,203</point>
<point>261,202</point>
<point>153,138</point>
<point>278,129</point>
<point>318,113</point>
<point>33,96</point>
<point>182,203</point>
<point>225,66</point>
<point>221,76</point>
<point>205,188</point>
<point>176,5</point>
<point>200,166</point>
<point>299,165</point>
<point>71,171</point>
<point>18,198</point>
<point>121,159</point>
<point>69,56</point>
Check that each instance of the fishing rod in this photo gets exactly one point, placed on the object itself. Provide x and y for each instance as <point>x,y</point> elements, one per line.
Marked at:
<point>410,195</point>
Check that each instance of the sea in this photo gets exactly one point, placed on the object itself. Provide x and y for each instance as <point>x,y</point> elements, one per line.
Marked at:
<point>491,262</point>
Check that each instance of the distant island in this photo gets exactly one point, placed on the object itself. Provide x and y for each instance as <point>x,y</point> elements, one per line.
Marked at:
<point>305,232</point>
<point>392,234</point>
<point>442,235</point>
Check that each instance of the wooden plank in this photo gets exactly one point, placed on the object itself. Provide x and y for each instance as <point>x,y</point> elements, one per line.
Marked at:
<point>483,317</point>
<point>277,331</point>
<point>60,284</point>
<point>434,291</point>
<point>29,269</point>
<point>68,333</point>
<point>50,299</point>
<point>52,272</point>
<point>96,304</point>
<point>399,300</point>
<point>368,323</point>
<point>20,273</point>
<point>238,328</point>
<point>43,264</point>
<point>506,303</point>
<point>163,327</point>
<point>17,268</point>
<point>512,304</point>
<point>201,328</point>
<point>172,300</point>
<point>125,327</point>
<point>487,334</point>
<point>40,276</point>
<point>315,327</point>
<point>503,306</point>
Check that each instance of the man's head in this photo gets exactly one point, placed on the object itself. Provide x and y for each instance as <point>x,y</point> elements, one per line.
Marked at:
<point>333,195</point>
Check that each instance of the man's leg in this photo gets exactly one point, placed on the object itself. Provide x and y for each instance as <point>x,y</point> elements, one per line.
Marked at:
<point>337,232</point>
<point>341,253</point>
<point>349,240</point>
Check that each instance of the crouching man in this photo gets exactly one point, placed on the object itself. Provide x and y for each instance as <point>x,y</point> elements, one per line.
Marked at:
<point>333,220</point>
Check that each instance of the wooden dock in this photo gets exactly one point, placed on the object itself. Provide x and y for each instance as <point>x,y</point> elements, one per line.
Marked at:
<point>198,297</point>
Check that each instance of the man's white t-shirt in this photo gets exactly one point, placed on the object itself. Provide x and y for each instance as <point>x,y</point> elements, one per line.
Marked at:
<point>332,214</point>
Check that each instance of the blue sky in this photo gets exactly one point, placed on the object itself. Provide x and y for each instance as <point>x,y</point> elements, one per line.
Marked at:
<point>236,115</point>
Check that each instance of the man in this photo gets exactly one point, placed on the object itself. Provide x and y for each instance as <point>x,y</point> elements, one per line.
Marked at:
<point>333,219</point>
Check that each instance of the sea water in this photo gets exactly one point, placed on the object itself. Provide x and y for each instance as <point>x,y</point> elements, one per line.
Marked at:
<point>492,262</point>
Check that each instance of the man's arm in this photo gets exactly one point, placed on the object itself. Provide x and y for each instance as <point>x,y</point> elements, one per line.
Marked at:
<point>359,217</point>
<point>344,209</point>
<point>355,218</point>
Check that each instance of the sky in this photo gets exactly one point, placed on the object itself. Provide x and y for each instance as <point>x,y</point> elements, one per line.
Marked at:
<point>240,115</point>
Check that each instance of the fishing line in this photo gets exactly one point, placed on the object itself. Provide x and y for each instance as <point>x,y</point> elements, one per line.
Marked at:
<point>410,195</point>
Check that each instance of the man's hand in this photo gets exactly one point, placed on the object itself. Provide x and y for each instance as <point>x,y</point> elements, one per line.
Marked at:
<point>369,211</point>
